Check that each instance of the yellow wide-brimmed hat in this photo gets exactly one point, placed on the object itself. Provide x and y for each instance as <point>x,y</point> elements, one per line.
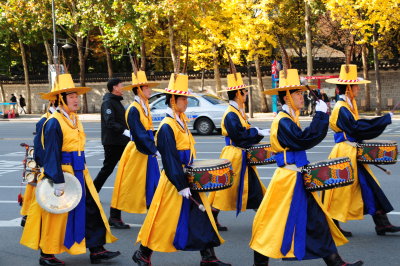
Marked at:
<point>64,83</point>
<point>290,82</point>
<point>348,75</point>
<point>235,82</point>
<point>140,79</point>
<point>178,85</point>
<point>46,96</point>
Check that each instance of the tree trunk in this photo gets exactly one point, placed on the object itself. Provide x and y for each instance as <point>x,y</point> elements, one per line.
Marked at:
<point>367,97</point>
<point>378,108</point>
<point>217,75</point>
<point>109,62</point>
<point>108,57</point>
<point>202,79</point>
<point>173,44</point>
<point>264,103</point>
<point>308,40</point>
<point>49,59</point>
<point>26,75</point>
<point>82,65</point>
<point>142,55</point>
<point>3,95</point>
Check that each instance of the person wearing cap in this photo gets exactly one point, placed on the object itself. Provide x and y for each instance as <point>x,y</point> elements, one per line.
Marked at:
<point>247,190</point>
<point>37,156</point>
<point>365,196</point>
<point>291,222</point>
<point>85,226</point>
<point>138,171</point>
<point>114,138</point>
<point>174,222</point>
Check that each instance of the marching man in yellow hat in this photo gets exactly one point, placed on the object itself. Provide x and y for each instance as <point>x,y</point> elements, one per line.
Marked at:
<point>173,221</point>
<point>365,196</point>
<point>63,139</point>
<point>29,195</point>
<point>247,190</point>
<point>291,222</point>
<point>138,171</point>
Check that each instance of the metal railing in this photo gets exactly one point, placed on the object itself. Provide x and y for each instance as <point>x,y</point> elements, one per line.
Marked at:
<point>319,67</point>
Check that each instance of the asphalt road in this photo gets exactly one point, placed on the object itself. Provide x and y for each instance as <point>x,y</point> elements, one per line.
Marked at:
<point>365,245</point>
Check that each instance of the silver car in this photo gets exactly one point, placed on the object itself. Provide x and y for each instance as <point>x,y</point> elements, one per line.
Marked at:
<point>205,112</point>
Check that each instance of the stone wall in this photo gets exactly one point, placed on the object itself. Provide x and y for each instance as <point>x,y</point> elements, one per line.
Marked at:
<point>390,83</point>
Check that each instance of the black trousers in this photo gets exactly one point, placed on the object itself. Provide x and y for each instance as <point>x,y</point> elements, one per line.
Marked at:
<point>112,154</point>
<point>95,233</point>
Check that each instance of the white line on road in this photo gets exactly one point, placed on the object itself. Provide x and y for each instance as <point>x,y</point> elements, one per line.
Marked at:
<point>11,223</point>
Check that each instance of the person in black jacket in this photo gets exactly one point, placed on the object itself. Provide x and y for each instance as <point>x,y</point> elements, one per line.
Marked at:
<point>114,137</point>
<point>22,103</point>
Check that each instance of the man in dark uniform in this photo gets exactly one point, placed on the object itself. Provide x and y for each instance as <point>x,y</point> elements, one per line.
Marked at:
<point>114,137</point>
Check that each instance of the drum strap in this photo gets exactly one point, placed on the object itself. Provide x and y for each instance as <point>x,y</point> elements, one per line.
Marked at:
<point>354,144</point>
<point>293,167</point>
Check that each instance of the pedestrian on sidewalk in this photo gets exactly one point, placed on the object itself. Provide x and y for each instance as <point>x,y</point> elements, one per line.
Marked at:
<point>22,103</point>
<point>114,137</point>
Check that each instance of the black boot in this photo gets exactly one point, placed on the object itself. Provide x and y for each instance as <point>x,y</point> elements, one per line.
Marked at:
<point>49,259</point>
<point>383,225</point>
<point>345,233</point>
<point>335,260</point>
<point>220,227</point>
<point>116,221</point>
<point>142,256</point>
<point>100,253</point>
<point>23,220</point>
<point>208,258</point>
<point>260,259</point>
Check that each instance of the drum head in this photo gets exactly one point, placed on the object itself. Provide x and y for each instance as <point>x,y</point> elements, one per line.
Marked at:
<point>209,163</point>
<point>260,145</point>
<point>329,162</point>
<point>30,176</point>
<point>68,201</point>
<point>381,142</point>
<point>31,152</point>
<point>31,164</point>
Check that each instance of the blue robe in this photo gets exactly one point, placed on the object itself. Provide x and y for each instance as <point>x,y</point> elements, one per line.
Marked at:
<point>291,222</point>
<point>372,198</point>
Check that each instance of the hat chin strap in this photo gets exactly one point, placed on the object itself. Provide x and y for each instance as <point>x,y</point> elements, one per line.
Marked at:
<point>64,106</point>
<point>241,105</point>
<point>146,102</point>
<point>292,106</point>
<point>350,95</point>
<point>184,119</point>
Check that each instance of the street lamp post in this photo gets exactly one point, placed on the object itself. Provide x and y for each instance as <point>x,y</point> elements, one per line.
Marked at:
<point>55,48</point>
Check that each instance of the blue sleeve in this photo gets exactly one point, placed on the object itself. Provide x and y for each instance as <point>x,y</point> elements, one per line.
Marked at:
<point>53,140</point>
<point>143,140</point>
<point>37,142</point>
<point>241,136</point>
<point>171,161</point>
<point>362,129</point>
<point>292,137</point>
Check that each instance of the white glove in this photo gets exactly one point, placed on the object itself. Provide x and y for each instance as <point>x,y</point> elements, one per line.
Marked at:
<point>263,132</point>
<point>321,106</point>
<point>127,133</point>
<point>185,193</point>
<point>59,189</point>
<point>391,115</point>
<point>158,154</point>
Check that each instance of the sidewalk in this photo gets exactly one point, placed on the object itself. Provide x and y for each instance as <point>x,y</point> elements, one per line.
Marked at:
<point>96,117</point>
<point>36,117</point>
